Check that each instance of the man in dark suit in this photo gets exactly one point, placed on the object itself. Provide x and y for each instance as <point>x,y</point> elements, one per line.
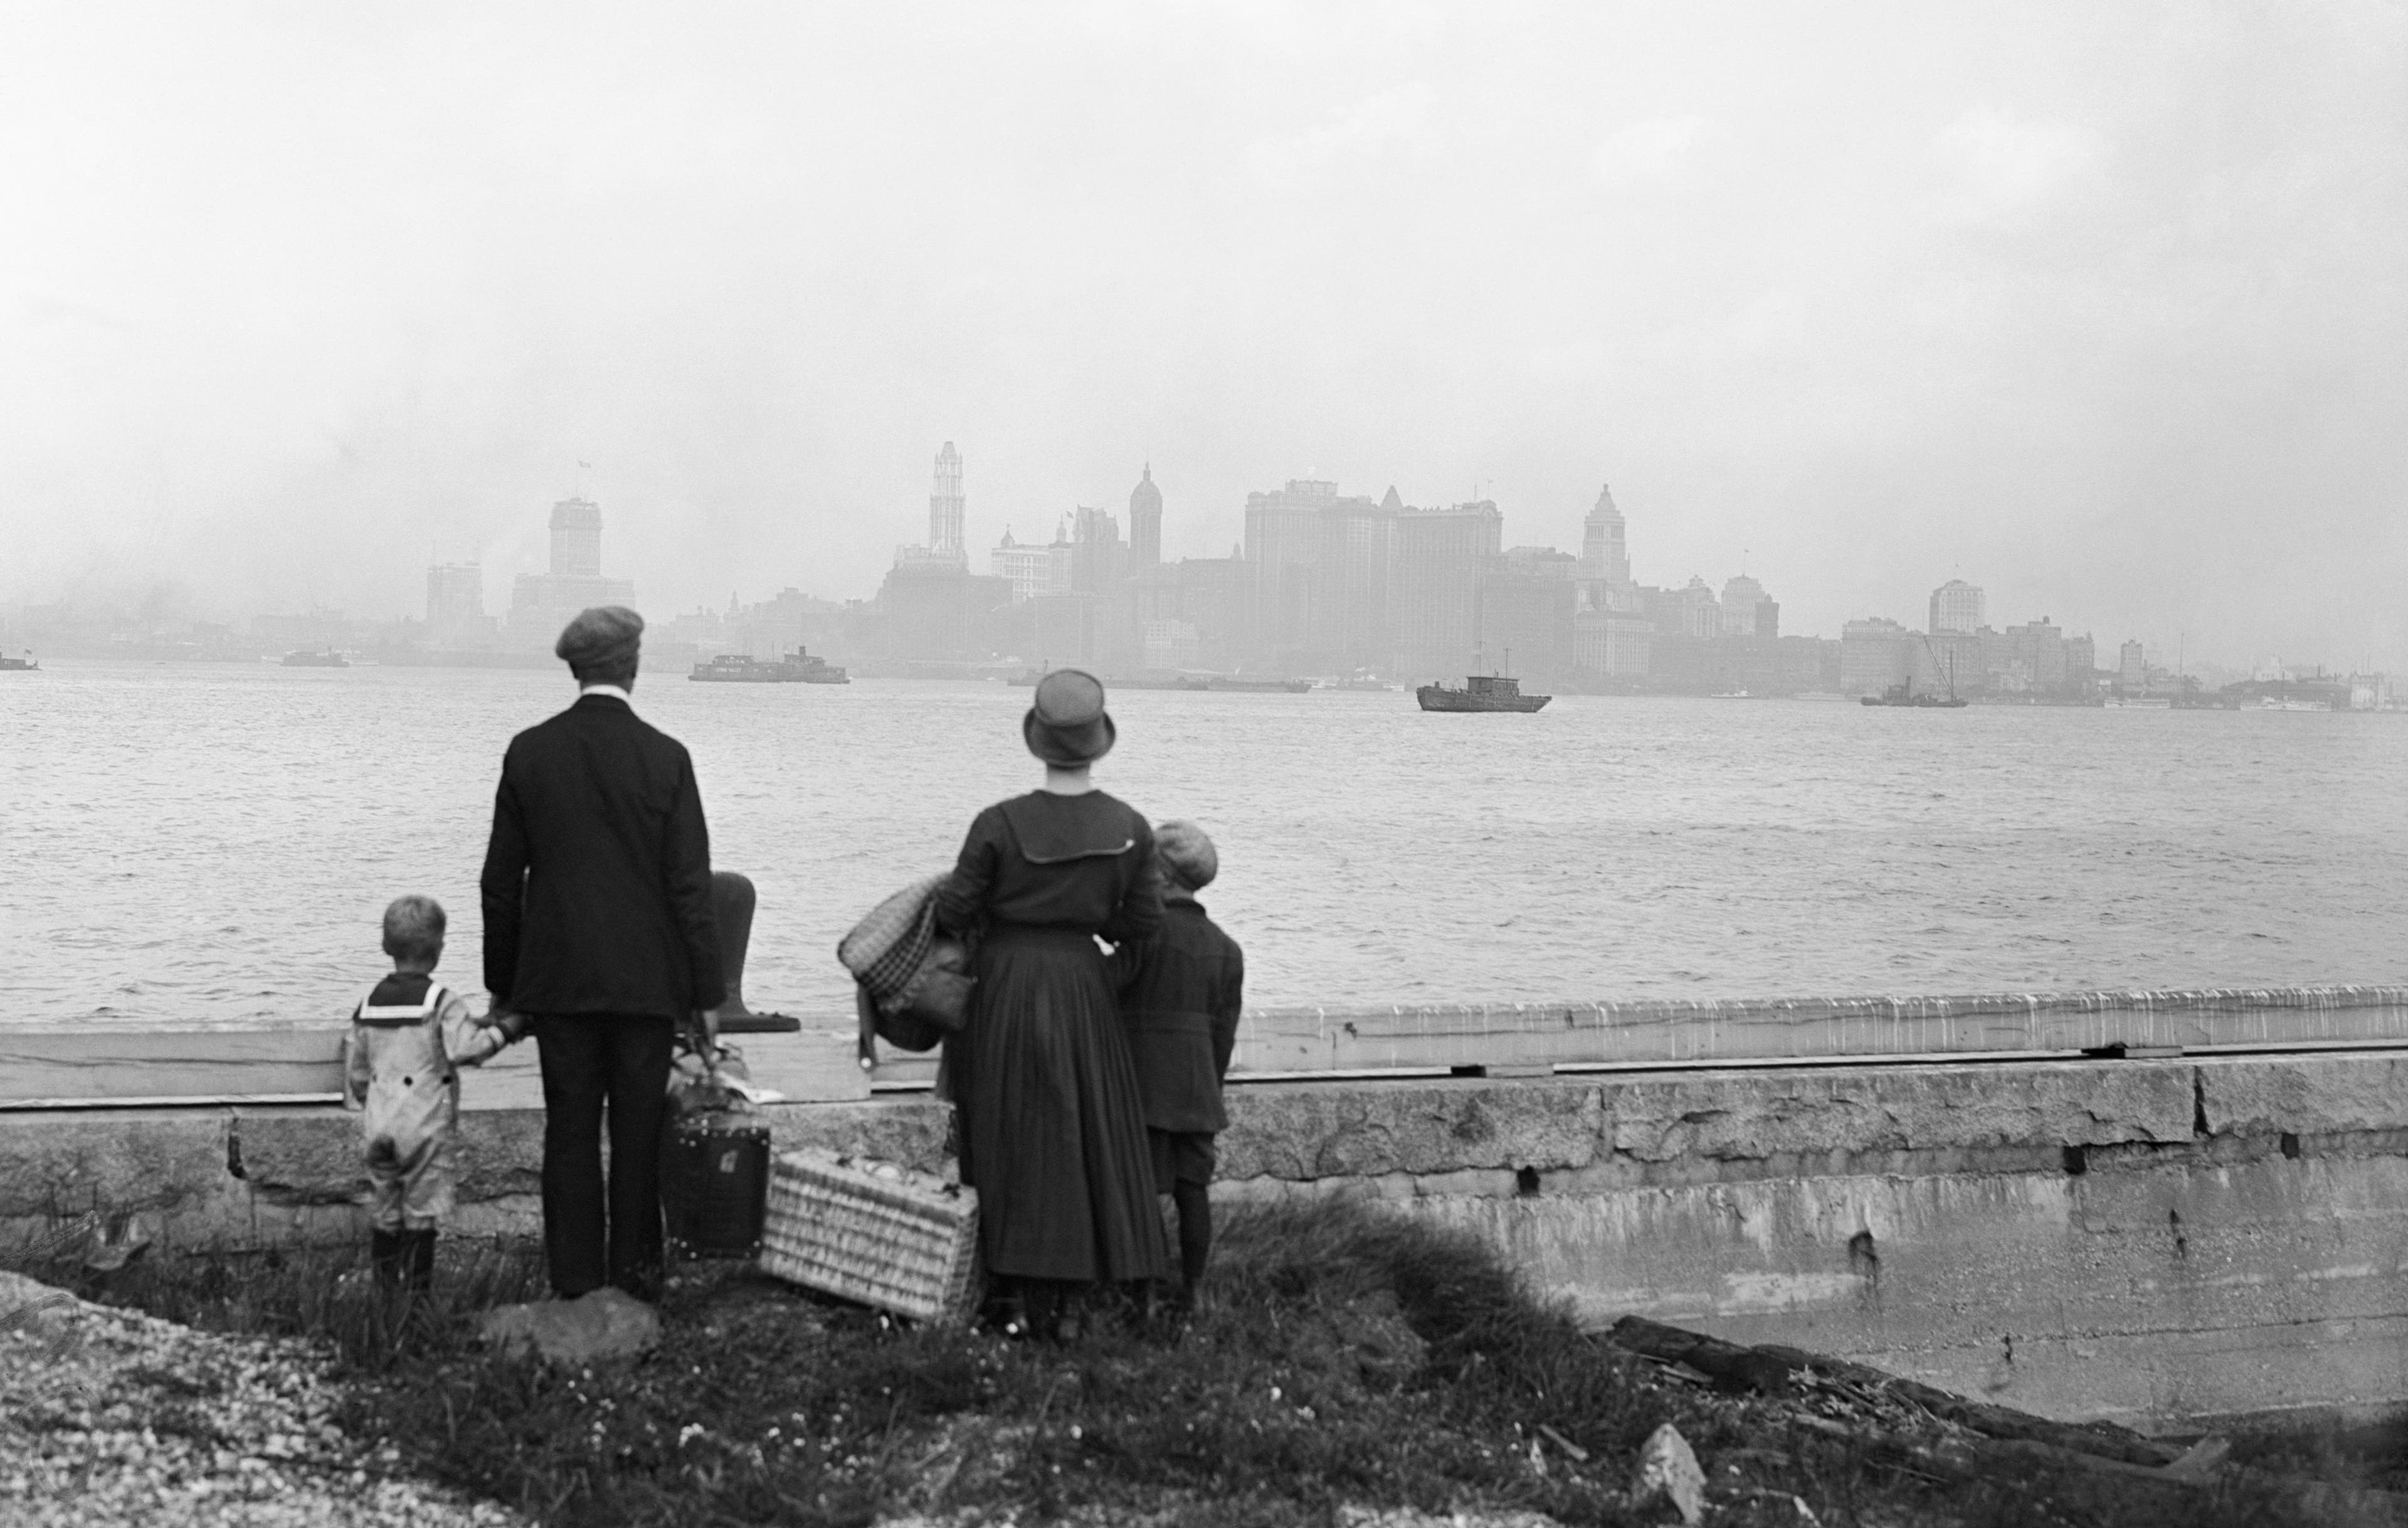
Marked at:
<point>598,925</point>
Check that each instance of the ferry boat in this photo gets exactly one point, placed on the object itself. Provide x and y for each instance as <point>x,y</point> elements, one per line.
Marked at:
<point>301,657</point>
<point>1480,692</point>
<point>1903,695</point>
<point>24,665</point>
<point>744,668</point>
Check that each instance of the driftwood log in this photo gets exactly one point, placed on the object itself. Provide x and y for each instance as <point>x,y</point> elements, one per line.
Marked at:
<point>2006,1442</point>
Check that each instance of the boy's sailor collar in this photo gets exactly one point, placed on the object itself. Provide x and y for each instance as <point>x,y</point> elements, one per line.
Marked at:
<point>615,691</point>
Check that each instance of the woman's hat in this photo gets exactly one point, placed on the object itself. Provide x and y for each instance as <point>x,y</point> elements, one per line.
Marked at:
<point>1068,727</point>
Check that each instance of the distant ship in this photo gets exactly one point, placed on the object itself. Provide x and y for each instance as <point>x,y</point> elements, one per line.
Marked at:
<point>744,668</point>
<point>301,657</point>
<point>1480,692</point>
<point>1290,686</point>
<point>1903,695</point>
<point>22,664</point>
<point>1198,683</point>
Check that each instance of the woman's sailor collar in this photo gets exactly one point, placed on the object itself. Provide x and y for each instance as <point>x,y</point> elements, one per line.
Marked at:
<point>1051,830</point>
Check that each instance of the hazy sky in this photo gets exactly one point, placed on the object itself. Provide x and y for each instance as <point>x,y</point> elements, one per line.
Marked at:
<point>2099,305</point>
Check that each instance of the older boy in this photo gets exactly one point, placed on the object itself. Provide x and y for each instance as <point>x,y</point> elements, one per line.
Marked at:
<point>410,1036</point>
<point>1181,992</point>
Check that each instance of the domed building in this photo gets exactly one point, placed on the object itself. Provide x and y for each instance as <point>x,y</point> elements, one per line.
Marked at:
<point>1145,522</point>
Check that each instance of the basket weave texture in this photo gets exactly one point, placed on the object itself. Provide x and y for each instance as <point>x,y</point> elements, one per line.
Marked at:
<point>897,1240</point>
<point>885,949</point>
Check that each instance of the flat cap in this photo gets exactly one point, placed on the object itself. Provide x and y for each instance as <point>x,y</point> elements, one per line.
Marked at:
<point>601,637</point>
<point>1186,854</point>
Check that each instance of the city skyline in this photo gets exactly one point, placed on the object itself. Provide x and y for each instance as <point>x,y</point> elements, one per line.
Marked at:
<point>456,592</point>
<point>1873,294</point>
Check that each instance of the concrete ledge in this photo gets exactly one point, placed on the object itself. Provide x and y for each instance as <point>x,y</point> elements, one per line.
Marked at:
<point>1727,1123</point>
<point>2151,1241</point>
<point>260,1176</point>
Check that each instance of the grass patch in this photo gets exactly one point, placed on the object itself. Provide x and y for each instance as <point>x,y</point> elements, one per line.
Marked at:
<point>1344,1356</point>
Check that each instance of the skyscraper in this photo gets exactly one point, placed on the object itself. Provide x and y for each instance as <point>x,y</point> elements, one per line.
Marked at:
<point>455,595</point>
<point>1957,606</point>
<point>1323,568</point>
<point>945,504</point>
<point>944,552</point>
<point>577,537</point>
<point>1604,555</point>
<point>1145,522</point>
<point>1747,611</point>
<point>1434,598</point>
<point>543,603</point>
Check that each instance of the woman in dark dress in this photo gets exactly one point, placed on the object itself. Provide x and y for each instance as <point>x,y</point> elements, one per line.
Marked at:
<point>1052,1131</point>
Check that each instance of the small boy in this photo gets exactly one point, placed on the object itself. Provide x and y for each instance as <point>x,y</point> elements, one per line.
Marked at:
<point>1181,992</point>
<point>409,1037</point>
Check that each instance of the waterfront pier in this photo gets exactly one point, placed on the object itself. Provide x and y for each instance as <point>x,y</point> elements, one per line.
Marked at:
<point>2162,1208</point>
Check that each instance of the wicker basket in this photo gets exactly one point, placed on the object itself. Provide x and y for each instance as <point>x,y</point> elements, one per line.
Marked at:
<point>871,1232</point>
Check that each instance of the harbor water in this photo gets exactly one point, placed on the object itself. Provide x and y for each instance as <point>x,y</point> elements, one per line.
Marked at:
<point>213,844</point>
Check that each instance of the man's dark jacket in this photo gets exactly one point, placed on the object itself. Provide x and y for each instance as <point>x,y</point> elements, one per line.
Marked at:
<point>1181,992</point>
<point>597,877</point>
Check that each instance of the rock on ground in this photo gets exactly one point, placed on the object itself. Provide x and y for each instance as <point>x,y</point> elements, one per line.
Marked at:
<point>593,1327</point>
<point>1668,1466</point>
<point>111,1417</point>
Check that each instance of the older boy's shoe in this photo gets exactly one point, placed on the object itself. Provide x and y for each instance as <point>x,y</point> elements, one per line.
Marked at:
<point>388,1254</point>
<point>421,1260</point>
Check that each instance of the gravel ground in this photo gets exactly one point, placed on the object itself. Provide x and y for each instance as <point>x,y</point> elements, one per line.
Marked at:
<point>111,1417</point>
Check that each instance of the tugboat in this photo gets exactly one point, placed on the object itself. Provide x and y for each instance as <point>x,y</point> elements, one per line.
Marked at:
<point>301,657</point>
<point>1480,692</point>
<point>744,668</point>
<point>1903,694</point>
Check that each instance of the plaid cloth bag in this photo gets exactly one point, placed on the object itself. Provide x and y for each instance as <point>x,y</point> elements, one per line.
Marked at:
<point>912,984</point>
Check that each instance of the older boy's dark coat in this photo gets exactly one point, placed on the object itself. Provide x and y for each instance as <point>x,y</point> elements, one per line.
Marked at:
<point>1179,995</point>
<point>597,876</point>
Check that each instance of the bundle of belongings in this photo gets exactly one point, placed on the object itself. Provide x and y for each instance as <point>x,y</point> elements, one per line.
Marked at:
<point>911,982</point>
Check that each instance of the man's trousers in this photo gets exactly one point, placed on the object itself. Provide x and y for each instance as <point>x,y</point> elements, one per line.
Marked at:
<point>592,1061</point>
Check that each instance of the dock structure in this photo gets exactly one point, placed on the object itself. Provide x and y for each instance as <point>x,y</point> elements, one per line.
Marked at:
<point>2162,1208</point>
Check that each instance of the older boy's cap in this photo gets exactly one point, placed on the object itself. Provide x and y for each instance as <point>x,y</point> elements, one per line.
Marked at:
<point>1186,852</point>
<point>601,637</point>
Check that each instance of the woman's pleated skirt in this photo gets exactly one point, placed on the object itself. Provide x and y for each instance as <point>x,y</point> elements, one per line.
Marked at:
<point>1053,1133</point>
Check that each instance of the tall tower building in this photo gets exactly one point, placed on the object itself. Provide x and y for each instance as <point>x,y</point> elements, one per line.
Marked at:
<point>1145,522</point>
<point>945,504</point>
<point>455,594</point>
<point>1957,606</point>
<point>1604,555</point>
<point>577,537</point>
<point>543,603</point>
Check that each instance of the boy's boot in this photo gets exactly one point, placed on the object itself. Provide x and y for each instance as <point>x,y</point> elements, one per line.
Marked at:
<point>386,1255</point>
<point>422,1259</point>
<point>1194,1201</point>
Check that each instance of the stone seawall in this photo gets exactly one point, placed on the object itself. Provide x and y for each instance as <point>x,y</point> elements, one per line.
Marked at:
<point>2158,1242</point>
